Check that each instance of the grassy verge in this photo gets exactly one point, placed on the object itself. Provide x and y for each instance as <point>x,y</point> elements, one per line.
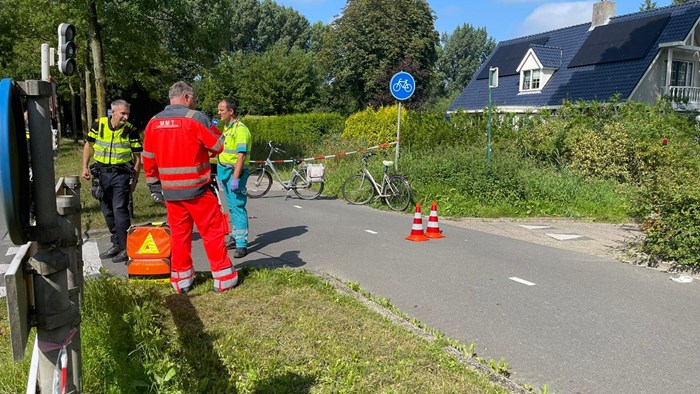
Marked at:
<point>282,331</point>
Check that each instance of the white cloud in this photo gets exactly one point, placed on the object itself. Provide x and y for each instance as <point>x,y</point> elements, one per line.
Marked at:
<point>553,16</point>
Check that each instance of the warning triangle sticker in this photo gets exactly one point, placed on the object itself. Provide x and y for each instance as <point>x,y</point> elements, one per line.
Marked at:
<point>149,246</point>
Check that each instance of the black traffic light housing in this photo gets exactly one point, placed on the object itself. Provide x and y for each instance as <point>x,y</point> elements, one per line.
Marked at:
<point>66,49</point>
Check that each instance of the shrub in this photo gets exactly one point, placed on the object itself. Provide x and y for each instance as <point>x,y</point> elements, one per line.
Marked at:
<point>374,126</point>
<point>293,131</point>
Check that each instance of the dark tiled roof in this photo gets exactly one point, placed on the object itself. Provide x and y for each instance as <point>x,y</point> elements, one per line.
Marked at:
<point>597,82</point>
<point>550,57</point>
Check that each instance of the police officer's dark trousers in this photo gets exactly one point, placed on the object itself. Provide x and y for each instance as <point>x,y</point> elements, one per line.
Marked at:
<point>115,204</point>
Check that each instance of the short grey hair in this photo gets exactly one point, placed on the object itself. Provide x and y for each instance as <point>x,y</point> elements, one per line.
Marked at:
<point>180,88</point>
<point>120,103</point>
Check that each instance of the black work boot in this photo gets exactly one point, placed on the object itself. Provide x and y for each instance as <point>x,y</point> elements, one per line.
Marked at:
<point>111,252</point>
<point>122,257</point>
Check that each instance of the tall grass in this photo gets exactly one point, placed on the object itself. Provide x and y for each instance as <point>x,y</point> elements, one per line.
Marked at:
<point>282,331</point>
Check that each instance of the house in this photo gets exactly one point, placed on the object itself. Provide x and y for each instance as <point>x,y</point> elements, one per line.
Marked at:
<point>641,56</point>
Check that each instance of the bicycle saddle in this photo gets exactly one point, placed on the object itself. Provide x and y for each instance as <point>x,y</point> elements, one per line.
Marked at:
<point>297,160</point>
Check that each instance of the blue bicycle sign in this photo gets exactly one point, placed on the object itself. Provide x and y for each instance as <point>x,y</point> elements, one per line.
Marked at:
<point>402,85</point>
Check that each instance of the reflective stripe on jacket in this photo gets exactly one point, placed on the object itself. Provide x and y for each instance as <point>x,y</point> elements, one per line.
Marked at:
<point>176,148</point>
<point>237,140</point>
<point>114,147</point>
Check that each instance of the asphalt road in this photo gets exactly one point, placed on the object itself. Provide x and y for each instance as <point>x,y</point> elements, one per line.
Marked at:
<point>578,322</point>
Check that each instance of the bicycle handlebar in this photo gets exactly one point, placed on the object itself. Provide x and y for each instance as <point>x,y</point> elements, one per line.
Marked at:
<point>274,148</point>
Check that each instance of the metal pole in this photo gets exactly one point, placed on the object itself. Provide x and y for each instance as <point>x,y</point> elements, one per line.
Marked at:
<point>398,135</point>
<point>56,315</point>
<point>44,62</point>
<point>488,134</point>
<point>68,204</point>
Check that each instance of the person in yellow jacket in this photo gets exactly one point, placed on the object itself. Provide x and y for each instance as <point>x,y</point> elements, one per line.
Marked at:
<point>232,173</point>
<point>117,154</point>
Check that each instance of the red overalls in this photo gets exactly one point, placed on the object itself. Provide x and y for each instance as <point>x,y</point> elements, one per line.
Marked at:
<point>176,148</point>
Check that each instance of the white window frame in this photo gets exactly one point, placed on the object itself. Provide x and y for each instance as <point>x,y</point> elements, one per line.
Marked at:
<point>531,80</point>
<point>687,71</point>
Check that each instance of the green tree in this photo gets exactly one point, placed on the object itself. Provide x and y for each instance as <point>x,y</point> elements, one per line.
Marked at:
<point>648,5</point>
<point>367,44</point>
<point>460,55</point>
<point>279,81</point>
<point>255,26</point>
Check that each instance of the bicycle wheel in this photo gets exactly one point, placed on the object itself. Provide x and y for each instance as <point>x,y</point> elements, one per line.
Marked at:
<point>306,190</point>
<point>259,183</point>
<point>398,193</point>
<point>358,189</point>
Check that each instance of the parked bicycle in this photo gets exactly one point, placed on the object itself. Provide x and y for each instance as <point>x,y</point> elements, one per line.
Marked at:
<point>394,189</point>
<point>307,184</point>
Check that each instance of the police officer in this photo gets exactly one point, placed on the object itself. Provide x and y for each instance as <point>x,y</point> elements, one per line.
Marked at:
<point>117,147</point>
<point>233,173</point>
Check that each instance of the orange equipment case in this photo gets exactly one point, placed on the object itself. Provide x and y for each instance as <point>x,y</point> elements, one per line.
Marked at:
<point>148,247</point>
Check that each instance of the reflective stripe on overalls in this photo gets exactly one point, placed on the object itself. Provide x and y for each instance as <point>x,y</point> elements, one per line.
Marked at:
<point>225,279</point>
<point>181,280</point>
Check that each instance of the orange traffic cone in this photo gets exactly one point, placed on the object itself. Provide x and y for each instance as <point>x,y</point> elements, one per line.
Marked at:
<point>417,234</point>
<point>433,230</point>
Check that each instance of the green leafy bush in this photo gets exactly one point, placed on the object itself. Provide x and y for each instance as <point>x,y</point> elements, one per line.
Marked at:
<point>374,126</point>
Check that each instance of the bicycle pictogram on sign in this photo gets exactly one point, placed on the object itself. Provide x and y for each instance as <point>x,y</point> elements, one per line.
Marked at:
<point>402,85</point>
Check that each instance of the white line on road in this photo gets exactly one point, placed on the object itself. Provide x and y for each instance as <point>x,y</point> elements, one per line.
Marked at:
<point>564,237</point>
<point>11,251</point>
<point>298,207</point>
<point>534,227</point>
<point>371,232</point>
<point>91,259</point>
<point>523,281</point>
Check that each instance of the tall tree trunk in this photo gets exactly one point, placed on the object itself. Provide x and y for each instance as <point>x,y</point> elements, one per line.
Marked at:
<point>97,60</point>
<point>88,102</point>
<point>74,119</point>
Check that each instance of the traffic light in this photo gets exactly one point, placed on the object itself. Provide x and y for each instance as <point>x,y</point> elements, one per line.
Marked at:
<point>66,49</point>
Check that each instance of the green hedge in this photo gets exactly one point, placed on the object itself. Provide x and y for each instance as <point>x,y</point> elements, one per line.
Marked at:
<point>293,131</point>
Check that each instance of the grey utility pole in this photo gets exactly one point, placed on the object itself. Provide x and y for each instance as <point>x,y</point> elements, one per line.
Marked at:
<point>57,264</point>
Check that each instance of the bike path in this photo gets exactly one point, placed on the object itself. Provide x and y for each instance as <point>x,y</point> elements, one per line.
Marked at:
<point>577,322</point>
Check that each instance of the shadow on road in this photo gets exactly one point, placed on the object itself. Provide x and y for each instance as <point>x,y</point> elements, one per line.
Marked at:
<point>287,259</point>
<point>277,235</point>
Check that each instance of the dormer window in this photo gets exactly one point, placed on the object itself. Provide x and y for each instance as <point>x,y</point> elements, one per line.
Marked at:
<point>531,80</point>
<point>537,67</point>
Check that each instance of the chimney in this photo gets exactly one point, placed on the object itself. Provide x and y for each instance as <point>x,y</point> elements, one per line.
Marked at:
<point>602,12</point>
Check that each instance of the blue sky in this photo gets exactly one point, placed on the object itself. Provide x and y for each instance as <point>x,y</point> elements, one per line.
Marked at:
<point>503,19</point>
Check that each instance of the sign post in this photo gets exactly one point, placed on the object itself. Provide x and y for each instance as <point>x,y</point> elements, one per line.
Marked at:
<point>493,83</point>
<point>401,86</point>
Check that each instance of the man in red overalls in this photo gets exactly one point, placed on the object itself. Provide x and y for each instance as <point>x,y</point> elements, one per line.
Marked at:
<point>176,147</point>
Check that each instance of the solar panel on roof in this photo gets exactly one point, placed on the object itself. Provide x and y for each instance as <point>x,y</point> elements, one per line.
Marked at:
<point>508,57</point>
<point>620,41</point>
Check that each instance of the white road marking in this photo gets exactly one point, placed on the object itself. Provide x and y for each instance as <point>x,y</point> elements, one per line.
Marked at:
<point>298,207</point>
<point>371,232</point>
<point>534,227</point>
<point>91,259</point>
<point>523,281</point>
<point>564,237</point>
<point>11,251</point>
